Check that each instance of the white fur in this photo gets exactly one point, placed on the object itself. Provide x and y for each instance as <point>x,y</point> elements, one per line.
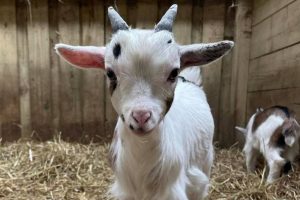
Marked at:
<point>258,142</point>
<point>180,150</point>
<point>173,162</point>
<point>193,74</point>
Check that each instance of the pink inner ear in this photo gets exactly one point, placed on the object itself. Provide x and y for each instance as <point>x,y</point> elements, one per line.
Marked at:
<point>84,57</point>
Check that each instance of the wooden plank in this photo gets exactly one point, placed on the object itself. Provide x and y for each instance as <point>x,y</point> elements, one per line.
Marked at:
<point>163,6</point>
<point>23,64</point>
<point>261,38</point>
<point>225,135</point>
<point>265,8</point>
<point>279,31</point>
<point>277,70</point>
<point>241,56</point>
<point>197,21</point>
<point>54,66</point>
<point>130,13</point>
<point>182,27</point>
<point>9,85</point>
<point>39,69</point>
<point>70,77</point>
<point>287,97</point>
<point>146,21</point>
<point>213,30</point>
<point>293,23</point>
<point>92,19</point>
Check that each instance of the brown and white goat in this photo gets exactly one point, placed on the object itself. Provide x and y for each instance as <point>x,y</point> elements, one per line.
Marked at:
<point>162,147</point>
<point>274,133</point>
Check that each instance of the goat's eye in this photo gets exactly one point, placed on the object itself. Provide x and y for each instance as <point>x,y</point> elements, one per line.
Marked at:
<point>173,75</point>
<point>111,75</point>
<point>113,80</point>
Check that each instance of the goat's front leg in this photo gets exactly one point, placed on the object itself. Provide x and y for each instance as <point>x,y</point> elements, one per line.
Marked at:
<point>252,155</point>
<point>198,184</point>
<point>275,163</point>
<point>125,198</point>
<point>118,193</point>
<point>177,192</point>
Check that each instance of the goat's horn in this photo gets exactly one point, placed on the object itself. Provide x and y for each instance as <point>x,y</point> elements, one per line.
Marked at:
<point>116,21</point>
<point>166,22</point>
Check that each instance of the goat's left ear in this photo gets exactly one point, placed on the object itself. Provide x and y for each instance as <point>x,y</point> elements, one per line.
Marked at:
<point>82,56</point>
<point>201,54</point>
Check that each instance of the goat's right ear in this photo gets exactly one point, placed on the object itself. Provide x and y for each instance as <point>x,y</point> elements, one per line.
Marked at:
<point>82,56</point>
<point>241,130</point>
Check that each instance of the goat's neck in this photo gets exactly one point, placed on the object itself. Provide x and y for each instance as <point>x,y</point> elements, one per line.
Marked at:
<point>154,154</point>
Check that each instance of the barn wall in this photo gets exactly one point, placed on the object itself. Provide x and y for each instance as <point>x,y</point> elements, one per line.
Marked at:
<point>274,67</point>
<point>41,95</point>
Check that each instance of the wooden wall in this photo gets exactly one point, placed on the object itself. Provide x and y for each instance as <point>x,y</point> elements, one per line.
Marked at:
<point>274,67</point>
<point>42,95</point>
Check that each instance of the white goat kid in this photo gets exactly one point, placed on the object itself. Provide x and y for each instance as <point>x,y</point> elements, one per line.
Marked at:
<point>274,133</point>
<point>162,147</point>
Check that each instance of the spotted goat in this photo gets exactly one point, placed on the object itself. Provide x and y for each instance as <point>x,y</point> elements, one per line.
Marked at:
<point>274,133</point>
<point>162,146</point>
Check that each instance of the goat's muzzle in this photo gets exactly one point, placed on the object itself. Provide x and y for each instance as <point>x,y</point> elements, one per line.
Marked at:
<point>140,121</point>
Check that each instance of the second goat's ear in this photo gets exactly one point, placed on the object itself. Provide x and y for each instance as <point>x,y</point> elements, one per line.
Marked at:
<point>201,54</point>
<point>82,56</point>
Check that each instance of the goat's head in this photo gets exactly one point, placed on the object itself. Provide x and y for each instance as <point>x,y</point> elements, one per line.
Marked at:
<point>291,131</point>
<point>142,67</point>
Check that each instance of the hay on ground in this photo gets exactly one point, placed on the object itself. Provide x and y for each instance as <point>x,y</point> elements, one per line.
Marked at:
<point>61,170</point>
<point>231,181</point>
<point>53,170</point>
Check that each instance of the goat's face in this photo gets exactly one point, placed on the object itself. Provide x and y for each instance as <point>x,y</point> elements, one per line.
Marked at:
<point>291,131</point>
<point>142,67</point>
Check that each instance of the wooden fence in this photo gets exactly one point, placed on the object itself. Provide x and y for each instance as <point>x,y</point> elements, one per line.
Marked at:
<point>274,68</point>
<point>42,95</point>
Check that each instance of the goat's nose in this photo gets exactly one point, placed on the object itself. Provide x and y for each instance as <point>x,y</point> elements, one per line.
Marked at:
<point>141,116</point>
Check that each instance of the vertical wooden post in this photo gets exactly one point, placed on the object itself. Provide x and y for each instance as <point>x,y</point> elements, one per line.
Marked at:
<point>54,65</point>
<point>70,78</point>
<point>213,31</point>
<point>23,64</point>
<point>241,55</point>
<point>39,68</point>
<point>197,21</point>
<point>9,74</point>
<point>146,20</point>
<point>225,136</point>
<point>182,27</point>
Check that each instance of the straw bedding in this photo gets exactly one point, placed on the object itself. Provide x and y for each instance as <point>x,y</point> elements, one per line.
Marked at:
<point>61,170</point>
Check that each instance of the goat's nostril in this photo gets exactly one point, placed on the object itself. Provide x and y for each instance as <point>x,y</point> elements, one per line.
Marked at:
<point>148,117</point>
<point>141,116</point>
<point>131,127</point>
<point>134,117</point>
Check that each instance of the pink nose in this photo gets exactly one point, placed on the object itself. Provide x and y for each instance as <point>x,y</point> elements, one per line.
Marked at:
<point>141,116</point>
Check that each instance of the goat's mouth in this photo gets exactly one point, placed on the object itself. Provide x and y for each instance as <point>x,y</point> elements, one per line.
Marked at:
<point>140,131</point>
